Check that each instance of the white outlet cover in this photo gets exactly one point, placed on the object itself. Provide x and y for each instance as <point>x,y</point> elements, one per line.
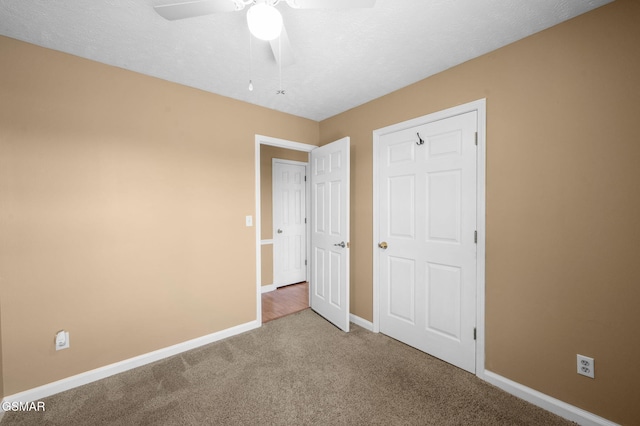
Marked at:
<point>586,366</point>
<point>62,340</point>
<point>249,220</point>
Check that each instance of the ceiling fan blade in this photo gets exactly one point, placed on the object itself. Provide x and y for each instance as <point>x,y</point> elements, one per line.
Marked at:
<point>194,8</point>
<point>330,4</point>
<point>284,57</point>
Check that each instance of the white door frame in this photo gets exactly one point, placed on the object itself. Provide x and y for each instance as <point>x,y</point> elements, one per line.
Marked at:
<point>480,107</point>
<point>282,143</point>
<point>306,206</point>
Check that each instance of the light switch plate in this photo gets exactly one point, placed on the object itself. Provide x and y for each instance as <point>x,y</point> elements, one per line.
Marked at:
<point>249,220</point>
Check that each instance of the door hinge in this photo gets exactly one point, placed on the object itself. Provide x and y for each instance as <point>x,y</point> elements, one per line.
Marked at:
<point>476,138</point>
<point>474,334</point>
<point>305,220</point>
<point>305,262</point>
<point>475,237</point>
<point>305,178</point>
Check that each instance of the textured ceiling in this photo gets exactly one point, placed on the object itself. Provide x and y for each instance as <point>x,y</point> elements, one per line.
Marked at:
<point>343,58</point>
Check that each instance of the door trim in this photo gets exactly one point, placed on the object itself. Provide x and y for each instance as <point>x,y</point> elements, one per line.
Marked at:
<point>306,205</point>
<point>480,107</point>
<point>281,143</point>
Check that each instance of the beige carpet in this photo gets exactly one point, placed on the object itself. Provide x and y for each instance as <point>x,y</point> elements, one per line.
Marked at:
<point>293,371</point>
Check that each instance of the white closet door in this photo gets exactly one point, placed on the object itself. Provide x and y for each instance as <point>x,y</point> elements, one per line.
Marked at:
<point>427,220</point>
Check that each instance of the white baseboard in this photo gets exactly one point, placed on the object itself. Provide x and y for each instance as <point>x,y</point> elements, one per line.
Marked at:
<point>128,364</point>
<point>367,325</point>
<point>267,288</point>
<point>533,396</point>
<point>547,402</point>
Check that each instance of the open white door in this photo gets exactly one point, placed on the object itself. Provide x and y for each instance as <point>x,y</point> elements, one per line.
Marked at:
<point>329,281</point>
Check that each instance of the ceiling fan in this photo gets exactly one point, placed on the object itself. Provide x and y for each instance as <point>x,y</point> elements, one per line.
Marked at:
<point>263,19</point>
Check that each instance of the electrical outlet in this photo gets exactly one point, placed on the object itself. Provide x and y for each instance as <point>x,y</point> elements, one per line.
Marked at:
<point>586,366</point>
<point>62,340</point>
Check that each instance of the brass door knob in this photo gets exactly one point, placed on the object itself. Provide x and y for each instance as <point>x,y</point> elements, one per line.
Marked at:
<point>383,245</point>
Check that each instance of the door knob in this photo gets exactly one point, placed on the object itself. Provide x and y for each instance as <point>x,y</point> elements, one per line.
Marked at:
<point>279,231</point>
<point>341,244</point>
<point>383,245</point>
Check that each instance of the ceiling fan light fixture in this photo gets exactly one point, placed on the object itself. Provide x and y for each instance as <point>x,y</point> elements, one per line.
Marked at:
<point>265,22</point>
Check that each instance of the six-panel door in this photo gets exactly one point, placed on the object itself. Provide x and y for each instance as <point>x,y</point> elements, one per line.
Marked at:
<point>427,217</point>
<point>330,232</point>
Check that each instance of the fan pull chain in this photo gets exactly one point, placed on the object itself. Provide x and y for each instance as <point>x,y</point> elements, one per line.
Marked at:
<point>250,64</point>
<point>281,90</point>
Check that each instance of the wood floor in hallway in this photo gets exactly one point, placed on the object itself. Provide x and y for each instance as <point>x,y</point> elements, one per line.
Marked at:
<point>284,301</point>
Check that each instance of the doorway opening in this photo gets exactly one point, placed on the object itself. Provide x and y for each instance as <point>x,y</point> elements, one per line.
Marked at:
<point>328,244</point>
<point>266,149</point>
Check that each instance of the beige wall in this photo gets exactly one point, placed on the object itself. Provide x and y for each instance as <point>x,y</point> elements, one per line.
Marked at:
<point>1,364</point>
<point>123,202</point>
<point>266,272</point>
<point>563,202</point>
